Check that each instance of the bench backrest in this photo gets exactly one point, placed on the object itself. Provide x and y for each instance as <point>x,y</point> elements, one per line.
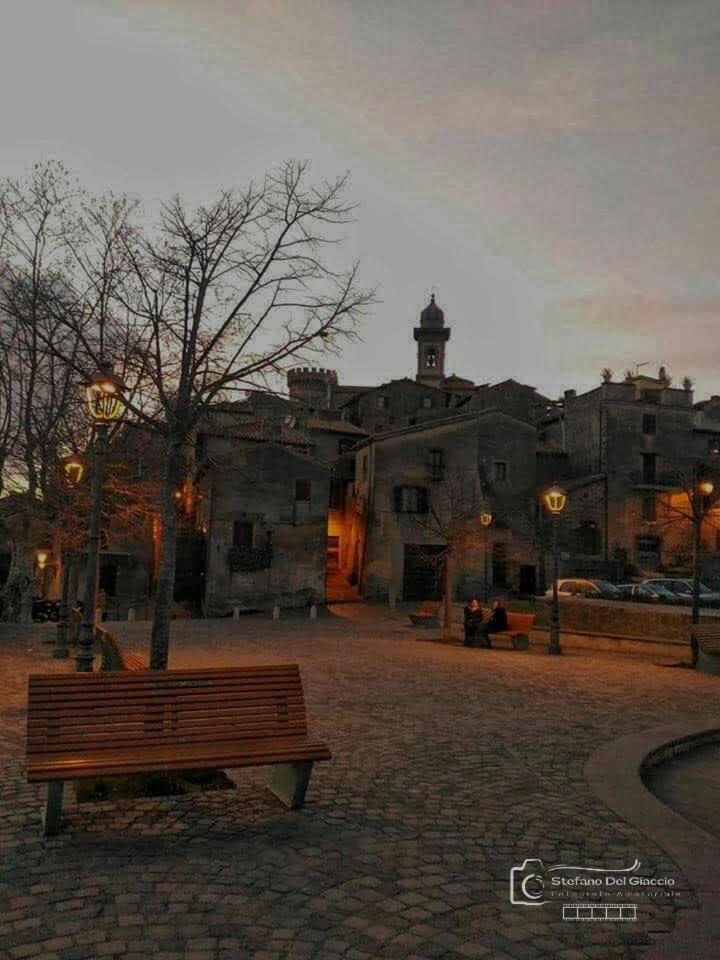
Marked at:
<point>429,608</point>
<point>707,636</point>
<point>87,712</point>
<point>517,622</point>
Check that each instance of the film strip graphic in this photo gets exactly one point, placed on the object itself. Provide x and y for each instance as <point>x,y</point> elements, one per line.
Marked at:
<point>609,912</point>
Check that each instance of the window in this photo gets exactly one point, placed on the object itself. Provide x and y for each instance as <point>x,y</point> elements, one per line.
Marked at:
<point>650,396</point>
<point>649,468</point>
<point>411,500</point>
<point>345,444</point>
<point>200,446</point>
<point>382,402</point>
<point>648,551</point>
<point>302,500</point>
<point>302,490</point>
<point>337,493</point>
<point>437,464</point>
<point>427,403</point>
<point>587,538</point>
<point>500,470</point>
<point>242,533</point>
<point>431,357</point>
<point>649,424</point>
<point>649,508</point>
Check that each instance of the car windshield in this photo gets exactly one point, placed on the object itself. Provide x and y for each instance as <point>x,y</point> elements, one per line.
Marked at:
<point>661,591</point>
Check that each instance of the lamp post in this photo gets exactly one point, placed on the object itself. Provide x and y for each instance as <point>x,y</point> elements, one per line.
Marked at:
<point>74,470</point>
<point>554,500</point>
<point>702,490</point>
<point>485,519</point>
<point>104,395</point>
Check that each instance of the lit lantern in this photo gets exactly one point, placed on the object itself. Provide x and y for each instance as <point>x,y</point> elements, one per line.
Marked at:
<point>706,487</point>
<point>104,395</point>
<point>555,499</point>
<point>42,558</point>
<point>486,519</point>
<point>74,468</point>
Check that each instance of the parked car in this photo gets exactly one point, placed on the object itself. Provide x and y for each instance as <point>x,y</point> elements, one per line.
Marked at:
<point>647,593</point>
<point>589,589</point>
<point>44,610</point>
<point>684,589</point>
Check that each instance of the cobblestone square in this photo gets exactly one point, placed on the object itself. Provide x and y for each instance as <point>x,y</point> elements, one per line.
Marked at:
<point>450,766</point>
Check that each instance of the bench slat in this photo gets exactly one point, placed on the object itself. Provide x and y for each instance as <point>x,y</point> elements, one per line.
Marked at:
<point>181,757</point>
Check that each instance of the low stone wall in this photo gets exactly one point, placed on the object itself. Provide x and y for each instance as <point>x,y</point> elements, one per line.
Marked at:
<point>644,621</point>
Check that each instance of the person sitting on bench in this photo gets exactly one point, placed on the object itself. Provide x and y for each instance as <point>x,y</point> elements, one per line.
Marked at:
<point>497,623</point>
<point>472,615</point>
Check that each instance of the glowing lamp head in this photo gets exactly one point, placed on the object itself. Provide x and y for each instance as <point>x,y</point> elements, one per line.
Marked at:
<point>555,499</point>
<point>74,468</point>
<point>42,558</point>
<point>706,487</point>
<point>104,395</point>
<point>486,519</point>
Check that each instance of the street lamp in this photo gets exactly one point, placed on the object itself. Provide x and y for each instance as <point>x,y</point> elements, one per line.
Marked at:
<point>74,469</point>
<point>105,400</point>
<point>554,500</point>
<point>485,519</point>
<point>704,489</point>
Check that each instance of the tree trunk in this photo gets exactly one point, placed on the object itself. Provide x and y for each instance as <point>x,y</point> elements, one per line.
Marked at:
<point>447,599</point>
<point>19,590</point>
<point>165,587</point>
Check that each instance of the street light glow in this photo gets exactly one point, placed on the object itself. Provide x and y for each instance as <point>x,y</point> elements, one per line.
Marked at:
<point>104,395</point>
<point>555,499</point>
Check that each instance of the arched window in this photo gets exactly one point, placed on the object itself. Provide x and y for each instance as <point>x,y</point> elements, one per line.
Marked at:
<point>431,357</point>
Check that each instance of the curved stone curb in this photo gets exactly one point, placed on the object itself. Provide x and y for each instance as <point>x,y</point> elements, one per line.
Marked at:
<point>614,774</point>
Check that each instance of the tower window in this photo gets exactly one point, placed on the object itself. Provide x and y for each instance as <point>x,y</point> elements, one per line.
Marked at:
<point>649,424</point>
<point>431,357</point>
<point>500,470</point>
<point>242,533</point>
<point>649,468</point>
<point>382,402</point>
<point>437,464</point>
<point>411,500</point>
<point>302,490</point>
<point>649,508</point>
<point>427,403</point>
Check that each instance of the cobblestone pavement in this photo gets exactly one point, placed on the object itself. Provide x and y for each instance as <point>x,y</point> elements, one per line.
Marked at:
<point>450,766</point>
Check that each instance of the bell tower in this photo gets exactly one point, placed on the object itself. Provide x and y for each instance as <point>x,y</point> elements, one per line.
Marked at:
<point>431,337</point>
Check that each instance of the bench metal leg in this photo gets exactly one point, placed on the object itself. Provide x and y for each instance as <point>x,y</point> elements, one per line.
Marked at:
<point>52,813</point>
<point>290,781</point>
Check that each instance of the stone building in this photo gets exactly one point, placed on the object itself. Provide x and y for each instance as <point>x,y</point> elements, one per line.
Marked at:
<point>625,451</point>
<point>416,482</point>
<point>263,509</point>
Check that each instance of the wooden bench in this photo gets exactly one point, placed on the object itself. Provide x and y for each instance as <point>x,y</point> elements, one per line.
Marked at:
<point>113,724</point>
<point>113,655</point>
<point>707,638</point>
<point>518,628</point>
<point>426,615</point>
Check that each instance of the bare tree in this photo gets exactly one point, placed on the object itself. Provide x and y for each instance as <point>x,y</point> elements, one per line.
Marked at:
<point>453,519</point>
<point>208,302</point>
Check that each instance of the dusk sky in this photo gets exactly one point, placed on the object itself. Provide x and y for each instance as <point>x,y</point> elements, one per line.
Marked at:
<point>550,167</point>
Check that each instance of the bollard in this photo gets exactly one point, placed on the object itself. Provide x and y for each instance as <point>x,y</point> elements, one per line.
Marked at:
<point>236,612</point>
<point>313,612</point>
<point>276,612</point>
<point>131,614</point>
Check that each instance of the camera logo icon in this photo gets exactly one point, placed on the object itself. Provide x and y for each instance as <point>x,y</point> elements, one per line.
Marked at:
<point>527,884</point>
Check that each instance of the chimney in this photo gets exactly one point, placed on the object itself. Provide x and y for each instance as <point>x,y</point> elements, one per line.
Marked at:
<point>570,394</point>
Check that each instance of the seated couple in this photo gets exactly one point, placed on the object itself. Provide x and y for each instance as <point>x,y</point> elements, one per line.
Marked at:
<point>476,629</point>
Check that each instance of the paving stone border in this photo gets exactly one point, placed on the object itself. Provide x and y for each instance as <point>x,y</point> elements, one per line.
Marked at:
<point>614,772</point>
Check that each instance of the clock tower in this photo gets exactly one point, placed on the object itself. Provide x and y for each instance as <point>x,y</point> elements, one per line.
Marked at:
<point>431,337</point>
